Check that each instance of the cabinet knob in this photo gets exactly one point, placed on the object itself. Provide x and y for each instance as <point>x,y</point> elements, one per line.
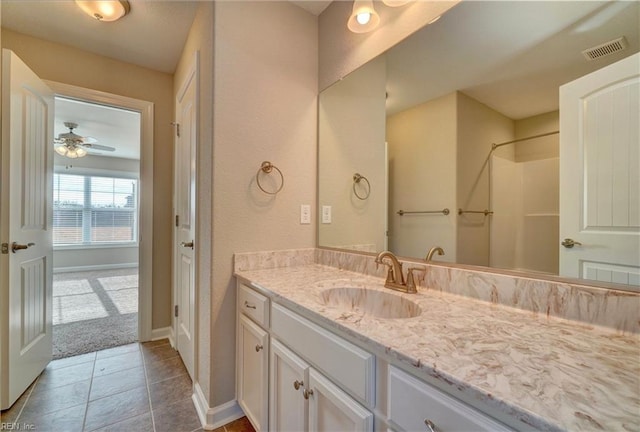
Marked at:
<point>297,384</point>
<point>307,393</point>
<point>248,305</point>
<point>258,348</point>
<point>431,427</point>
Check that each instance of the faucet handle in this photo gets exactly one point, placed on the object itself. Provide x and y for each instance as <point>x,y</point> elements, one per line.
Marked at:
<point>411,282</point>
<point>391,274</point>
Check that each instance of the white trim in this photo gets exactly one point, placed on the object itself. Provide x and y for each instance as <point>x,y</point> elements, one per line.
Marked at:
<point>94,267</point>
<point>163,333</point>
<point>213,418</point>
<point>145,254</point>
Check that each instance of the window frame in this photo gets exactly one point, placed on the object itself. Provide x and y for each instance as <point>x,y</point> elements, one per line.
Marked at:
<point>114,174</point>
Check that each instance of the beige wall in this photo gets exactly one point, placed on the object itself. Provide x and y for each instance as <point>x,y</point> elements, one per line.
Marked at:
<point>200,40</point>
<point>478,127</point>
<point>51,62</point>
<point>265,108</point>
<point>422,158</point>
<point>352,132</point>
<point>341,51</point>
<point>539,148</point>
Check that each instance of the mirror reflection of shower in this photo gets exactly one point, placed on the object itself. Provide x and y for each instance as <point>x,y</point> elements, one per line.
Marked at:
<point>524,197</point>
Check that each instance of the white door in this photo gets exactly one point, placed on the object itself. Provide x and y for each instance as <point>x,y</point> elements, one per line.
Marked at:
<point>185,217</point>
<point>26,220</point>
<point>332,410</point>
<point>288,411</point>
<point>600,174</point>
<point>253,372</point>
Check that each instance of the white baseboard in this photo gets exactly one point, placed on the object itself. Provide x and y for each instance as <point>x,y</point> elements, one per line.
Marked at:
<point>213,418</point>
<point>94,267</point>
<point>163,333</point>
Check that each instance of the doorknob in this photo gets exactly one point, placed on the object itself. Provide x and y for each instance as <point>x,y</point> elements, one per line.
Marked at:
<point>569,243</point>
<point>16,247</point>
<point>187,244</point>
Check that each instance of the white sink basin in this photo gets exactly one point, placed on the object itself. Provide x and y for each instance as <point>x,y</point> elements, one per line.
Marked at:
<point>374,303</point>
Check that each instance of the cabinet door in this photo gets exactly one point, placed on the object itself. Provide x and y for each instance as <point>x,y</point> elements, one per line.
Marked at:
<point>331,409</point>
<point>417,406</point>
<point>288,410</point>
<point>253,372</point>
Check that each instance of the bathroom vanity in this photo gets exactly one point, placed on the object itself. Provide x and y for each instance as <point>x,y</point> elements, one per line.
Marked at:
<point>323,348</point>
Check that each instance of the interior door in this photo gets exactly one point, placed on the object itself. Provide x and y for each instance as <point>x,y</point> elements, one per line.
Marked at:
<point>185,205</point>
<point>26,220</point>
<point>600,157</point>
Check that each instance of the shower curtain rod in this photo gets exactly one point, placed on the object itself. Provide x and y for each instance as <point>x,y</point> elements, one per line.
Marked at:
<point>495,146</point>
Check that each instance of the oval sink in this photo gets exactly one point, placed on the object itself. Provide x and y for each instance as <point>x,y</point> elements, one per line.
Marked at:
<point>364,301</point>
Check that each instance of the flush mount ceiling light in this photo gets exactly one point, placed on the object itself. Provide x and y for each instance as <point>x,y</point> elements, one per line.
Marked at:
<point>395,3</point>
<point>105,10</point>
<point>364,17</point>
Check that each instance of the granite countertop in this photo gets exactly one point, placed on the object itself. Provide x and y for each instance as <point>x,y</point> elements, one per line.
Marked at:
<point>544,373</point>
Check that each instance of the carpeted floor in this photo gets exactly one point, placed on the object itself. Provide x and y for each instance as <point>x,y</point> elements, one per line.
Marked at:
<point>94,310</point>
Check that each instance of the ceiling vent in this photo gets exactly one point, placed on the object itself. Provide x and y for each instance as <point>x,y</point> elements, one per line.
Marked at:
<point>605,49</point>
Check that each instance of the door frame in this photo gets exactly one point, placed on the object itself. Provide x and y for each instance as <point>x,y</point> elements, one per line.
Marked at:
<point>145,223</point>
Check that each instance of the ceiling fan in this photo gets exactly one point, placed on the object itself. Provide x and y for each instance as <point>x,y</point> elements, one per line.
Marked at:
<point>74,146</point>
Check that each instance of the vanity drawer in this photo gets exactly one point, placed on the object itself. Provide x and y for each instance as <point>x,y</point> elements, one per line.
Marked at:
<point>413,402</point>
<point>254,305</point>
<point>346,364</point>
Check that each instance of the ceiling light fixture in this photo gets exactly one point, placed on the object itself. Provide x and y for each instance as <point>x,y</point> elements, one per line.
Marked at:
<point>71,151</point>
<point>364,17</point>
<point>105,10</point>
<point>395,3</point>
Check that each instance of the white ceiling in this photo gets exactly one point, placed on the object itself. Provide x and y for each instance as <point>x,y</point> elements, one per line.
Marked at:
<point>315,7</point>
<point>110,126</point>
<point>509,55</point>
<point>152,35</point>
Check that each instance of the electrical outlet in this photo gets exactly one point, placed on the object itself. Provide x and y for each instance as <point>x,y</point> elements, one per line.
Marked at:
<point>305,214</point>
<point>326,214</point>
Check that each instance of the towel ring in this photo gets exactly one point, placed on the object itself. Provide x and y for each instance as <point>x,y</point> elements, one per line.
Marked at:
<point>356,180</point>
<point>266,167</point>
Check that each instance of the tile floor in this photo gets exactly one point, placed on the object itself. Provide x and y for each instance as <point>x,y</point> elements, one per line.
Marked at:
<point>136,387</point>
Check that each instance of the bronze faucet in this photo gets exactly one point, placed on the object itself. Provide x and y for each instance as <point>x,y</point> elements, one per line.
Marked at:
<point>395,278</point>
<point>432,251</point>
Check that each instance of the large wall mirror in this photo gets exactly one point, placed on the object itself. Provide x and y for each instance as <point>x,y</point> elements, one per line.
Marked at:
<point>452,138</point>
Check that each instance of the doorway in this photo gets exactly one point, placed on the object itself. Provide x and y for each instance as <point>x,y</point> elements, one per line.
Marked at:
<point>95,226</point>
<point>116,276</point>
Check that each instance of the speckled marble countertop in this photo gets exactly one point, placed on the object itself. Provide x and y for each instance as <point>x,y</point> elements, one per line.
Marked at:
<point>544,373</point>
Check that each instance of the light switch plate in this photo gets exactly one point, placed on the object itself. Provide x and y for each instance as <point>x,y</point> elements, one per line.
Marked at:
<point>326,214</point>
<point>305,214</point>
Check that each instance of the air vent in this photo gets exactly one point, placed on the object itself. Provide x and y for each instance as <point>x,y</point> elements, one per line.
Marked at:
<point>605,49</point>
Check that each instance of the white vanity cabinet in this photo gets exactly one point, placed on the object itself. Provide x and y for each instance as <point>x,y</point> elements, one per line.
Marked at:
<point>295,375</point>
<point>253,356</point>
<point>302,397</point>
<point>414,405</point>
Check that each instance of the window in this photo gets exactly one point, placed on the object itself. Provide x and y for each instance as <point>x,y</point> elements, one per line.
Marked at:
<point>91,210</point>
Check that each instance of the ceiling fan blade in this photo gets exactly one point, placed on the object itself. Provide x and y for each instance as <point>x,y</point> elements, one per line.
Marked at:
<point>89,140</point>
<point>99,147</point>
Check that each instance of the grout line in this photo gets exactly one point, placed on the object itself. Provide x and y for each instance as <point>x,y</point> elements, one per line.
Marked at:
<point>28,399</point>
<point>146,380</point>
<point>86,407</point>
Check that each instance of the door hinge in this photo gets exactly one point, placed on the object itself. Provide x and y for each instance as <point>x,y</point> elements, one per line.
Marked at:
<point>177,220</point>
<point>5,248</point>
<point>177,125</point>
<point>175,311</point>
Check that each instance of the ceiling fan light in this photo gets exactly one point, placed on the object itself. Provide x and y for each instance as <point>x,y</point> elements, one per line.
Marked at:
<point>81,152</point>
<point>71,154</point>
<point>105,10</point>
<point>61,150</point>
